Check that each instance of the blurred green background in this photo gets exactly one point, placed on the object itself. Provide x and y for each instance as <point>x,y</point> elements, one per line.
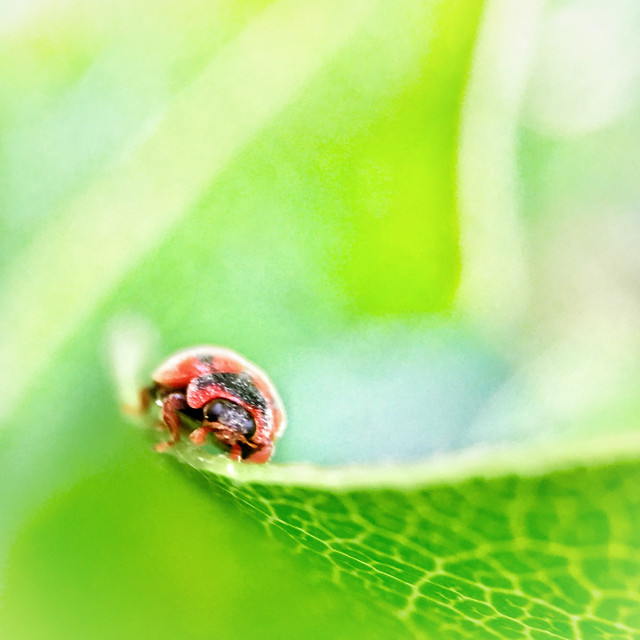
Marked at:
<point>420,217</point>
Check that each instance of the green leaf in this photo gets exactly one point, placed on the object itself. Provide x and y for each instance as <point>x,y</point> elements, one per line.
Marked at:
<point>517,544</point>
<point>426,251</point>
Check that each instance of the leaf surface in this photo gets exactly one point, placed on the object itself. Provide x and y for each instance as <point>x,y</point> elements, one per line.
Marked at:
<point>488,544</point>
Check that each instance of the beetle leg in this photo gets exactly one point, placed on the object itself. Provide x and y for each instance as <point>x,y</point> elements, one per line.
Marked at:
<point>199,436</point>
<point>236,452</point>
<point>261,455</point>
<point>171,404</point>
<point>145,399</point>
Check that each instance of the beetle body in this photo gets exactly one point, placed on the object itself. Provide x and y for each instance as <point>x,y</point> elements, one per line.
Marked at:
<point>231,398</point>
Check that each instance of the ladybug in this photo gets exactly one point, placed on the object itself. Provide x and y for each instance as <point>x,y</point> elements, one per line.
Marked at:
<point>228,396</point>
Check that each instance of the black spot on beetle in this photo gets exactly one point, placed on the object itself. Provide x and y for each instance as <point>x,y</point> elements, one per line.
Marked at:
<point>238,384</point>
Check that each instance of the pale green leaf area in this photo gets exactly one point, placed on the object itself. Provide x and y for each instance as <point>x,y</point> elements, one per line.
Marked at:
<point>420,218</point>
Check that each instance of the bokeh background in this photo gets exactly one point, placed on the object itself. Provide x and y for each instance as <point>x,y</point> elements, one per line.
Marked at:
<point>420,217</point>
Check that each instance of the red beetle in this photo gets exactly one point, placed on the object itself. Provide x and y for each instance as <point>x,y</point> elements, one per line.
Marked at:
<point>229,396</point>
